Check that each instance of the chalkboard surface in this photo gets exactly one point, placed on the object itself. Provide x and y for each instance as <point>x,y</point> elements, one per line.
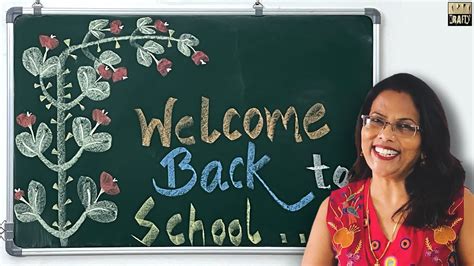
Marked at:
<point>137,131</point>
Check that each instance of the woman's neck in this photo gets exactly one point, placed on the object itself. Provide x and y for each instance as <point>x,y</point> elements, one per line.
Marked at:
<point>389,192</point>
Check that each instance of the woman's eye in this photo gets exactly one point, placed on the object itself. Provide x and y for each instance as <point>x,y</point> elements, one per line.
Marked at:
<point>377,121</point>
<point>405,126</point>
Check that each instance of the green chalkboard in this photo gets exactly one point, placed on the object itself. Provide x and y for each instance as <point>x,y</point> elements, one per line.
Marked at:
<point>206,159</point>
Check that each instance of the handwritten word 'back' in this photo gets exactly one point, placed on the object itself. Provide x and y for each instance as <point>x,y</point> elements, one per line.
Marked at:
<point>252,167</point>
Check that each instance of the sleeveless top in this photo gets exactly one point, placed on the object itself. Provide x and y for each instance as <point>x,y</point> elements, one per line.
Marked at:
<point>411,246</point>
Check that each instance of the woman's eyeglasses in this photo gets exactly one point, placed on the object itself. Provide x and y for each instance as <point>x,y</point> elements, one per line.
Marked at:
<point>403,128</point>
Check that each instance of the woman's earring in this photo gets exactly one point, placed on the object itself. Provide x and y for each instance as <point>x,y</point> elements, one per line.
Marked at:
<point>422,159</point>
<point>361,154</point>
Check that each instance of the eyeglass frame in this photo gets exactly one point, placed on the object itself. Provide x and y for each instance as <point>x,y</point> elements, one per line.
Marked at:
<point>392,124</point>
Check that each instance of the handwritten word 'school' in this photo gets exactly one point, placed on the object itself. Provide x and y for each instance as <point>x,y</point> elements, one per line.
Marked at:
<point>218,228</point>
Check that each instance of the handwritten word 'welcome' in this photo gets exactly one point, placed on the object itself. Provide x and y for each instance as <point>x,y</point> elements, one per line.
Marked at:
<point>314,113</point>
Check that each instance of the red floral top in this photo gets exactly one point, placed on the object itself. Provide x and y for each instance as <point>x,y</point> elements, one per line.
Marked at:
<point>411,246</point>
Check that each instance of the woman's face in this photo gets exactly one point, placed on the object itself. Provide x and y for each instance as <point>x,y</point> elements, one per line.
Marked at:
<point>387,153</point>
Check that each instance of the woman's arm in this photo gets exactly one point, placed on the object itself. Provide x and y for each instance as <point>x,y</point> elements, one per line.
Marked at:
<point>466,236</point>
<point>318,250</point>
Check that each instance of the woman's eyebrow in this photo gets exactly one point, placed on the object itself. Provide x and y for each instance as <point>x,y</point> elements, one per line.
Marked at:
<point>400,119</point>
<point>407,118</point>
<point>377,113</point>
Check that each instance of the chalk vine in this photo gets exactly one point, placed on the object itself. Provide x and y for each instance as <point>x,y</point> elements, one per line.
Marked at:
<point>93,81</point>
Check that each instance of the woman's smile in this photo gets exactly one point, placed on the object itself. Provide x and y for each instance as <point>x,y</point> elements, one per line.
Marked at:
<point>384,152</point>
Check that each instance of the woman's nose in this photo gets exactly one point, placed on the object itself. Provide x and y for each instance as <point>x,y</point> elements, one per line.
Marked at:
<point>386,133</point>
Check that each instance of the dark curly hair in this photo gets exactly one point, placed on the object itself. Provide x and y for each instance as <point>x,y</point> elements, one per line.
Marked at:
<point>433,185</point>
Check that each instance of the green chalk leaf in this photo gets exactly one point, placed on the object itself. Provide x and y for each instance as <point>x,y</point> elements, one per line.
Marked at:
<point>153,47</point>
<point>37,196</point>
<point>103,211</point>
<point>50,67</point>
<point>147,31</point>
<point>143,21</point>
<point>44,137</point>
<point>189,39</point>
<point>86,190</point>
<point>25,144</point>
<point>183,48</point>
<point>96,91</point>
<point>109,58</point>
<point>98,34</point>
<point>86,76</point>
<point>143,58</point>
<point>32,60</point>
<point>98,142</point>
<point>98,24</point>
<point>81,129</point>
<point>24,213</point>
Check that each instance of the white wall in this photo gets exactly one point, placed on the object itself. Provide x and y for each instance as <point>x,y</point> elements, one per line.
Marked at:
<point>415,38</point>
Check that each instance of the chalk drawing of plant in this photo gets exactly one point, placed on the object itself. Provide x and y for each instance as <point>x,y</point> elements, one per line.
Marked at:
<point>93,82</point>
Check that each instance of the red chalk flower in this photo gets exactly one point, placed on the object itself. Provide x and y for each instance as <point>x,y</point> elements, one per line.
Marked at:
<point>200,58</point>
<point>105,72</point>
<point>108,184</point>
<point>100,116</point>
<point>26,120</point>
<point>116,26</point>
<point>161,26</point>
<point>49,42</point>
<point>164,66</point>
<point>19,194</point>
<point>119,74</point>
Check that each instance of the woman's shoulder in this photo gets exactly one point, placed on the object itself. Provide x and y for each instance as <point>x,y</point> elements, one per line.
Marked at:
<point>348,191</point>
<point>466,244</point>
<point>468,197</point>
<point>463,201</point>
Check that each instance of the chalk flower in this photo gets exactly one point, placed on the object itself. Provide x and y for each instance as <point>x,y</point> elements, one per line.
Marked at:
<point>200,58</point>
<point>26,120</point>
<point>105,72</point>
<point>100,116</point>
<point>119,74</point>
<point>19,194</point>
<point>49,42</point>
<point>161,26</point>
<point>108,184</point>
<point>164,66</point>
<point>116,26</point>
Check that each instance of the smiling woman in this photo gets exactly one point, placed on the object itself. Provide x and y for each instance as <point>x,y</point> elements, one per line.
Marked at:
<point>405,201</point>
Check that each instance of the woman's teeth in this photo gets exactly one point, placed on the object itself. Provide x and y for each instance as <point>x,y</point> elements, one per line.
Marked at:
<point>386,152</point>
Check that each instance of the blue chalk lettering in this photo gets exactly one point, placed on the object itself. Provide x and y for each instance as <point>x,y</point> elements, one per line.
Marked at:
<point>252,167</point>
<point>293,207</point>
<point>233,165</point>
<point>168,161</point>
<point>217,178</point>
